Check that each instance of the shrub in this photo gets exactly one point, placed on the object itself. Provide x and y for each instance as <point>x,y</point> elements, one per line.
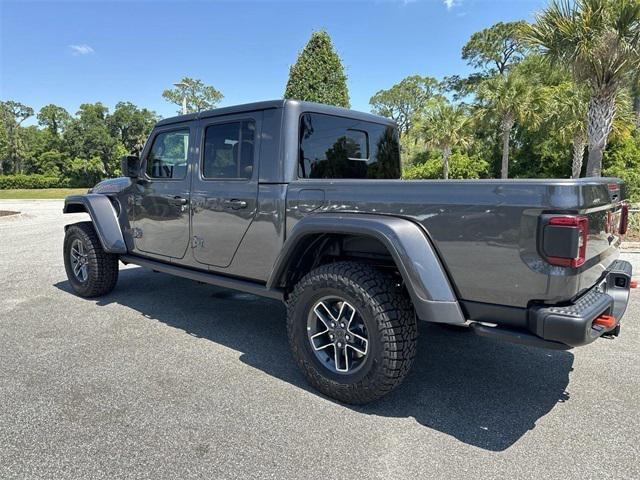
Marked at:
<point>623,160</point>
<point>32,181</point>
<point>461,166</point>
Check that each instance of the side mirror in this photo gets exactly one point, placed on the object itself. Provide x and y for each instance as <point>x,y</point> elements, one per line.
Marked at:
<point>130,166</point>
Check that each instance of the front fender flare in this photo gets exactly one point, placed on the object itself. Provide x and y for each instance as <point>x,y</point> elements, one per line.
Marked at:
<point>103,216</point>
<point>424,276</point>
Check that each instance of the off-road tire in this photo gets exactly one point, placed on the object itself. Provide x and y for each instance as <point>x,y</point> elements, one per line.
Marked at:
<point>102,266</point>
<point>390,321</point>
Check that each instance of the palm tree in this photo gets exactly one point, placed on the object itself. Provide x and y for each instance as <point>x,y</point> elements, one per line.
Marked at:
<point>445,127</point>
<point>569,106</point>
<point>600,41</point>
<point>512,100</point>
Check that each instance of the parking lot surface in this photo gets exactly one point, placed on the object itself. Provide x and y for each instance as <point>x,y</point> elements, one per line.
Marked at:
<point>168,378</point>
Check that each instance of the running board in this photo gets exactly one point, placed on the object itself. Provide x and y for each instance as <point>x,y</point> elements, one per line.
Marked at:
<point>205,277</point>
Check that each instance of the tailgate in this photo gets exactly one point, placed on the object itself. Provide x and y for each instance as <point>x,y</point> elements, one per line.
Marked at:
<point>587,240</point>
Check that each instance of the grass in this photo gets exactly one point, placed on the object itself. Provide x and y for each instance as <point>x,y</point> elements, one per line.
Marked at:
<point>39,194</point>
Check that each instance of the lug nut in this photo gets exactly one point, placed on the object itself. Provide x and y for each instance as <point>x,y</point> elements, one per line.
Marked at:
<point>347,337</point>
<point>331,336</point>
<point>333,325</point>
<point>339,344</point>
<point>342,325</point>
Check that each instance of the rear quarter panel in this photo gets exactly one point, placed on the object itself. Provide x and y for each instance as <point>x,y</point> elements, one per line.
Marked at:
<point>485,232</point>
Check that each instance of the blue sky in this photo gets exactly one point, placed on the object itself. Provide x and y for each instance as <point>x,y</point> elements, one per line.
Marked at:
<point>70,53</point>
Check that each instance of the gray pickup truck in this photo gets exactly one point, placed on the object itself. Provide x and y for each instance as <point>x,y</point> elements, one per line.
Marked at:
<point>303,203</point>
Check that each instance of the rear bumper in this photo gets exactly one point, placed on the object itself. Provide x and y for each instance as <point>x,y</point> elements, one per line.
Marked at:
<point>572,324</point>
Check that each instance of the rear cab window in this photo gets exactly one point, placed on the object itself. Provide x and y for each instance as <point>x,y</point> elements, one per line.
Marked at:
<point>333,147</point>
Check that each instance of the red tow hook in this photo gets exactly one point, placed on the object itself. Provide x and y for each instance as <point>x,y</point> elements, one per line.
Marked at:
<point>633,284</point>
<point>606,321</point>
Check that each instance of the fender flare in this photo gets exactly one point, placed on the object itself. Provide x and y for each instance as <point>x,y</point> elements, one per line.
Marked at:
<point>104,218</point>
<point>424,276</point>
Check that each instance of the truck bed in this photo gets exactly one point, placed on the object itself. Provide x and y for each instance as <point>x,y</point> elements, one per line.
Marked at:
<point>486,231</point>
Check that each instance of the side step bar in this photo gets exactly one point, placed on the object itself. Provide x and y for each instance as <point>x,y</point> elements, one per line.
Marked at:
<point>205,277</point>
<point>516,336</point>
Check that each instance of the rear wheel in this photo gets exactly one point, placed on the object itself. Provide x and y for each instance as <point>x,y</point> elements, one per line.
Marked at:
<point>352,331</point>
<point>91,271</point>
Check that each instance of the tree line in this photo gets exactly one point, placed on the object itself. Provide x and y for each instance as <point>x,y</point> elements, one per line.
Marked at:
<point>556,98</point>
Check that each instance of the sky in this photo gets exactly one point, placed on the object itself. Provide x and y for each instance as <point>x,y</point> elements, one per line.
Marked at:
<point>69,53</point>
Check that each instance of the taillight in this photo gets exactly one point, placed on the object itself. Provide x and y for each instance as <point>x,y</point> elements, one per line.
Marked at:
<point>565,240</point>
<point>624,219</point>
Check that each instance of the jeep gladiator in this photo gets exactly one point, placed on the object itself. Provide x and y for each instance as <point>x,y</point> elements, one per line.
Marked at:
<point>304,203</point>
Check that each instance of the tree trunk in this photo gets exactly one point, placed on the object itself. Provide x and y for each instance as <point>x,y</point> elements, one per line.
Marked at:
<point>506,125</point>
<point>446,152</point>
<point>579,142</point>
<point>602,108</point>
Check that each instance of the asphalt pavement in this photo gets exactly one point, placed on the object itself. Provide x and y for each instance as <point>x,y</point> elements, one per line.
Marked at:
<point>168,378</point>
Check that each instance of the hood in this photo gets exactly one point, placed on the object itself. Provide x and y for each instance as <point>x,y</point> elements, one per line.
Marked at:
<point>111,185</point>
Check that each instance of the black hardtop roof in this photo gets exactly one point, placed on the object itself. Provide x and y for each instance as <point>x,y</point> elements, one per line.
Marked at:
<point>301,105</point>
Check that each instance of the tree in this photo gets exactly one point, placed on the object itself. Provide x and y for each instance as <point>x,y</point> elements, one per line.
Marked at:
<point>496,48</point>
<point>131,125</point>
<point>12,114</point>
<point>405,99</point>
<point>88,137</point>
<point>446,128</point>
<point>53,118</point>
<point>198,96</point>
<point>510,99</point>
<point>318,74</point>
<point>600,41</point>
<point>635,92</point>
<point>570,104</point>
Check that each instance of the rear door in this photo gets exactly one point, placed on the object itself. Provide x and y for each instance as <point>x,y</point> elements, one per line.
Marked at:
<point>224,192</point>
<point>161,202</point>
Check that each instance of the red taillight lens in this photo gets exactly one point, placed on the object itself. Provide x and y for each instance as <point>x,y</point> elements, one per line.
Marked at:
<point>624,219</point>
<point>576,255</point>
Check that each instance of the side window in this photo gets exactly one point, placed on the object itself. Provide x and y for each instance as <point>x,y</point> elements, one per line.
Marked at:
<point>169,154</point>
<point>339,147</point>
<point>229,150</point>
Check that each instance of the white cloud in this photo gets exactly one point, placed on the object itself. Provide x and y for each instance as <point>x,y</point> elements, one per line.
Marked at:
<point>451,3</point>
<point>82,49</point>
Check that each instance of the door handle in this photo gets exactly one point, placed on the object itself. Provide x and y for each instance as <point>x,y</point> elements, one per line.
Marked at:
<point>234,204</point>
<point>179,201</point>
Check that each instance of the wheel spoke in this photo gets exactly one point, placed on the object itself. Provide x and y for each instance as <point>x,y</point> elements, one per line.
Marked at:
<point>322,316</point>
<point>84,272</point>
<point>340,353</point>
<point>362,340</point>
<point>322,347</point>
<point>352,316</point>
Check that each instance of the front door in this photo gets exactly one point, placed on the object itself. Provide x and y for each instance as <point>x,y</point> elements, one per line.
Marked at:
<point>225,186</point>
<point>161,208</point>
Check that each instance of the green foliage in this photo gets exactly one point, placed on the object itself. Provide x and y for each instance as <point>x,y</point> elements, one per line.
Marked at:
<point>199,96</point>
<point>318,74</point>
<point>496,48</point>
<point>131,125</point>
<point>54,118</point>
<point>461,166</point>
<point>404,100</point>
<point>84,173</point>
<point>622,159</point>
<point>598,39</point>
<point>31,181</point>
<point>79,150</point>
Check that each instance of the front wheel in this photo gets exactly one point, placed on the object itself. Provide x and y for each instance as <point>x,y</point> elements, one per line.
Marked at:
<point>91,271</point>
<point>352,330</point>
